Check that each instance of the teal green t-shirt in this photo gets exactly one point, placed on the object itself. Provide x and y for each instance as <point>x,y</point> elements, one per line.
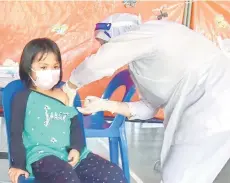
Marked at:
<point>47,129</point>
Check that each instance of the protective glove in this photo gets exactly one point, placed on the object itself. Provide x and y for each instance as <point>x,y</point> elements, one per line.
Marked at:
<point>71,93</point>
<point>94,104</point>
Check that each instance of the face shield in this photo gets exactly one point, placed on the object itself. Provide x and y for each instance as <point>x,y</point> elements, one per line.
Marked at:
<point>102,32</point>
<point>116,25</point>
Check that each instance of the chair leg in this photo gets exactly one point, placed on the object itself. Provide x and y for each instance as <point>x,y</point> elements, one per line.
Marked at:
<point>157,166</point>
<point>124,152</point>
<point>113,150</point>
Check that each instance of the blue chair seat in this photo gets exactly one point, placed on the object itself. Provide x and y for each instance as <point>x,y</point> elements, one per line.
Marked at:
<point>22,179</point>
<point>89,123</point>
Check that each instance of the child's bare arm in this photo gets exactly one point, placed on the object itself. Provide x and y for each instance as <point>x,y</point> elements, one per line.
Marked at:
<point>70,93</point>
<point>62,96</point>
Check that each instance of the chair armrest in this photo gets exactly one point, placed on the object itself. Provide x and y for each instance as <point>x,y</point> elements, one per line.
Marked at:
<point>22,179</point>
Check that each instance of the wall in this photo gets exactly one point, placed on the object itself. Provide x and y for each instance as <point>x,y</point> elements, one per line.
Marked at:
<point>71,25</point>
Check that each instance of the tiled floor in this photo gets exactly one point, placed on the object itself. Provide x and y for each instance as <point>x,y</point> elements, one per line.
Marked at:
<point>144,149</point>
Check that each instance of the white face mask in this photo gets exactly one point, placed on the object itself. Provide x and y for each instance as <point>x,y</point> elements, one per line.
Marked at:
<point>46,79</point>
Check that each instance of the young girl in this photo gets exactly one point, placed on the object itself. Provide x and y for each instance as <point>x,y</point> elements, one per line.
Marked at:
<point>47,140</point>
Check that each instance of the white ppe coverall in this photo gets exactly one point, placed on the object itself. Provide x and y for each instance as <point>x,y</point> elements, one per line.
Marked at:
<point>184,73</point>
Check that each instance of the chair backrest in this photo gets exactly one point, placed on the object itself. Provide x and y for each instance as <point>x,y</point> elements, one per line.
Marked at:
<point>123,78</point>
<point>8,93</point>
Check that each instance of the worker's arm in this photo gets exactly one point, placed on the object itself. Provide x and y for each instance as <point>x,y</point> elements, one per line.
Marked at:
<point>141,110</point>
<point>110,57</point>
<point>132,110</point>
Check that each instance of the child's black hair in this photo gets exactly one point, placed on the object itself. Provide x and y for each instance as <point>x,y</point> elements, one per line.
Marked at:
<point>41,46</point>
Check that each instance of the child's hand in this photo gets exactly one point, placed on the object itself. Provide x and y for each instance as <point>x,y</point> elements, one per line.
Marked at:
<point>73,157</point>
<point>14,174</point>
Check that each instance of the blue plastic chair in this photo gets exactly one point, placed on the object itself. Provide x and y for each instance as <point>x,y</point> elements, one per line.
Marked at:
<point>116,131</point>
<point>8,93</point>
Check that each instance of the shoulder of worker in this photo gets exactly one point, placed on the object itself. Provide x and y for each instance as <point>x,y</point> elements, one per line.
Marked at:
<point>156,25</point>
<point>155,28</point>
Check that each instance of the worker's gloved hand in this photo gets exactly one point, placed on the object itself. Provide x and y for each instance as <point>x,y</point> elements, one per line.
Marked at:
<point>71,93</point>
<point>93,104</point>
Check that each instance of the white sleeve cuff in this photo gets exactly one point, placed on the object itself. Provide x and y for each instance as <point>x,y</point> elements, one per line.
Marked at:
<point>74,79</point>
<point>141,110</point>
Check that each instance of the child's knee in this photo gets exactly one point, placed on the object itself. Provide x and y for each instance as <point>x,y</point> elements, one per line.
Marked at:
<point>116,173</point>
<point>53,170</point>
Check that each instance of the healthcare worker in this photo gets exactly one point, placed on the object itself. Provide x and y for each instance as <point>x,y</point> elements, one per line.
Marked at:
<point>173,68</point>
